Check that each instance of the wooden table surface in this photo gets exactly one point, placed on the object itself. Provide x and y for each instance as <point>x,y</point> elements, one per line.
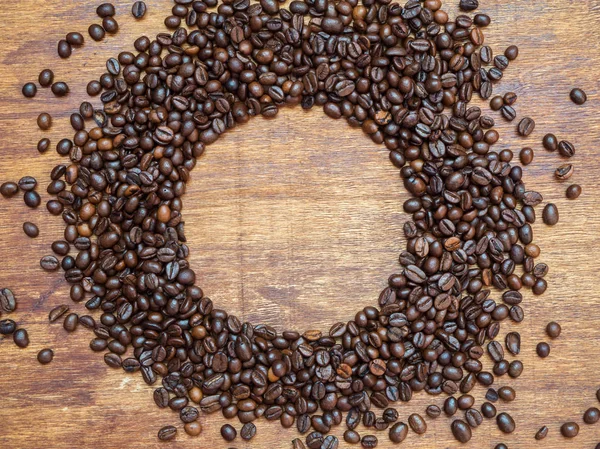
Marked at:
<point>297,222</point>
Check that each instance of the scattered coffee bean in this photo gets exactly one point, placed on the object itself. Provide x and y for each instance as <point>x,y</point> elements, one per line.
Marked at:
<point>167,433</point>
<point>138,10</point>
<point>29,90</point>
<point>60,89</point>
<point>44,121</point>
<point>507,394</point>
<point>591,415</point>
<point>248,431</point>
<point>398,432</point>
<point>468,5</point>
<point>21,338</point>
<point>70,322</point>
<point>105,10</point>
<point>578,96</point>
<point>573,191</point>
<point>57,312</point>
<point>49,263</point>
<point>64,49</point>
<point>369,441</point>
<point>228,432</point>
<point>565,171</point>
<point>550,214</point>
<point>510,98</point>
<point>526,156</point>
<point>526,126</point>
<point>110,25</point>
<point>46,78</point>
<point>505,422</point>
<point>566,148</point>
<point>542,433</point>
<point>7,327</point>
<point>461,430</point>
<point>513,342</point>
<point>553,329</point>
<point>43,145</point>
<point>30,229</point>
<point>488,410</point>
<point>32,199</point>
<point>45,356</point>
<point>496,103</point>
<point>569,430</point>
<point>193,428</point>
<point>543,349</point>
<point>550,142</point>
<point>417,423</point>
<point>511,52</point>
<point>96,32</point>
<point>9,189</point>
<point>433,411</point>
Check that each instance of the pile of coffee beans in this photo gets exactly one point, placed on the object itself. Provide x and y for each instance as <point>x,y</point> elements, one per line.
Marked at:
<point>405,74</point>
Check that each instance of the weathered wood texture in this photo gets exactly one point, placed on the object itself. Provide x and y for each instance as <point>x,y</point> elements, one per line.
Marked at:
<point>296,222</point>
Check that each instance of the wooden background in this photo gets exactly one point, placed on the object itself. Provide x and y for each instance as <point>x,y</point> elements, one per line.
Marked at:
<point>296,222</point>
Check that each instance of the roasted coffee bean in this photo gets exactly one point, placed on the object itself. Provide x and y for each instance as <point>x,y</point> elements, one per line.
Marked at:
<point>515,369</point>
<point>573,191</point>
<point>563,172</point>
<point>513,342</point>
<point>44,121</point>
<point>21,338</point>
<point>461,431</point>
<point>526,156</point>
<point>167,433</point>
<point>566,148</point>
<point>550,142</point>
<point>60,89</point>
<point>569,430</point>
<point>49,263</point>
<point>578,96</point>
<point>591,415</point>
<point>508,113</point>
<point>46,78</point>
<point>193,428</point>
<point>9,189</point>
<point>7,327</point>
<point>542,433</point>
<point>496,103</point>
<point>433,411</point>
<point>70,322</point>
<point>526,126</point>
<point>507,394</point>
<point>29,90</point>
<point>369,441</point>
<point>30,229</point>
<point>511,52</point>
<point>64,49</point>
<point>248,431</point>
<point>468,5</point>
<point>74,38</point>
<point>96,32</point>
<point>352,437</point>
<point>505,422</point>
<point>550,214</point>
<point>110,25</point>
<point>398,432</point>
<point>32,199</point>
<point>8,302</point>
<point>488,410</point>
<point>417,424</point>
<point>45,356</point>
<point>228,432</point>
<point>543,349</point>
<point>553,329</point>
<point>43,145</point>
<point>138,10</point>
<point>105,10</point>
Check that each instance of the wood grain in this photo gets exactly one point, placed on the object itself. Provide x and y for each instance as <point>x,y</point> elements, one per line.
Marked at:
<point>296,222</point>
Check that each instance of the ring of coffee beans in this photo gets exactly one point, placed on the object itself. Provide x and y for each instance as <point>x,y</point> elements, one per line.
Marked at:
<point>405,75</point>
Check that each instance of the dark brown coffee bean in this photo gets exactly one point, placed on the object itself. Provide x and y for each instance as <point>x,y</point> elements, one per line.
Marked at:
<point>44,121</point>
<point>461,431</point>
<point>513,342</point>
<point>8,302</point>
<point>591,415</point>
<point>511,52</point>
<point>550,214</point>
<point>352,437</point>
<point>433,411</point>
<point>167,433</point>
<point>96,32</point>
<point>45,356</point>
<point>566,148</point>
<point>569,430</point>
<point>468,5</point>
<point>46,78</point>
<point>29,90</point>
<point>75,39</point>
<point>578,96</point>
<point>228,432</point>
<point>417,424</point>
<point>64,49</point>
<point>526,126</point>
<point>60,89</point>
<point>505,422</point>
<point>49,263</point>
<point>105,10</point>
<point>488,410</point>
<point>565,171</point>
<point>526,156</point>
<point>542,433</point>
<point>7,327</point>
<point>70,322</point>
<point>32,199</point>
<point>553,329</point>
<point>507,394</point>
<point>57,312</point>
<point>573,191</point>
<point>248,431</point>
<point>398,432</point>
<point>138,10</point>
<point>30,229</point>
<point>369,441</point>
<point>43,145</point>
<point>21,338</point>
<point>550,142</point>
<point>9,189</point>
<point>110,25</point>
<point>543,349</point>
<point>508,113</point>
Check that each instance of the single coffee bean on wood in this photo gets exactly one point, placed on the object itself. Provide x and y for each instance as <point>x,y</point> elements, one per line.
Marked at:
<point>578,96</point>
<point>45,356</point>
<point>29,90</point>
<point>569,429</point>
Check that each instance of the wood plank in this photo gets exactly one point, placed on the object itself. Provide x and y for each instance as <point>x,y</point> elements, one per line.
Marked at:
<point>297,222</point>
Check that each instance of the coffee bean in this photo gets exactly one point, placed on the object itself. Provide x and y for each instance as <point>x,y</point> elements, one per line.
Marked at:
<point>45,356</point>
<point>43,145</point>
<point>565,171</point>
<point>7,327</point>
<point>526,126</point>
<point>553,329</point>
<point>569,430</point>
<point>9,189</point>
<point>501,446</point>
<point>70,322</point>
<point>74,38</point>
<point>138,10</point>
<point>550,142</point>
<point>228,432</point>
<point>550,214</point>
<point>566,148</point>
<point>44,121</point>
<point>29,90</point>
<point>193,428</point>
<point>21,338</point>
<point>369,441</point>
<point>573,191</point>
<point>461,431</point>
<point>511,52</point>
<point>96,32</point>
<point>542,433</point>
<point>468,5</point>
<point>417,424</point>
<point>505,422</point>
<point>513,342</point>
<point>507,394</point>
<point>64,49</point>
<point>167,433</point>
<point>49,263</point>
<point>508,113</point>
<point>526,156</point>
<point>57,312</point>
<point>60,89</point>
<point>398,432</point>
<point>578,96</point>
<point>515,369</point>
<point>543,349</point>
<point>32,199</point>
<point>110,25</point>
<point>510,98</point>
<point>433,411</point>
<point>30,229</point>
<point>248,431</point>
<point>496,103</point>
<point>488,410</point>
<point>46,78</point>
<point>105,10</point>
<point>352,437</point>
